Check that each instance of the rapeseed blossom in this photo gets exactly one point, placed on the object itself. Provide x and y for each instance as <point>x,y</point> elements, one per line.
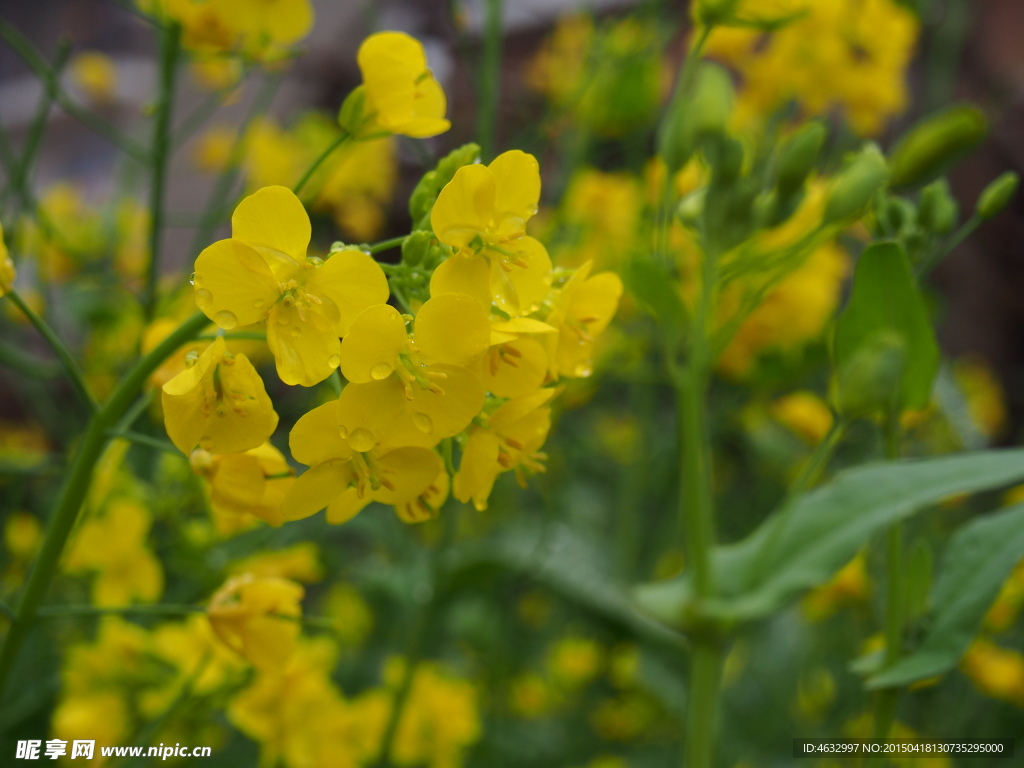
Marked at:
<point>258,617</point>
<point>253,482</point>
<point>263,273</point>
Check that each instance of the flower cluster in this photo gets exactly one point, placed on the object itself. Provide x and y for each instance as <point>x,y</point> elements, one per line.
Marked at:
<point>465,353</point>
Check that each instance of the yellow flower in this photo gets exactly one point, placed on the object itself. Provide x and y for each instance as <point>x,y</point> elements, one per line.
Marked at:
<point>300,562</point>
<point>805,414</point>
<point>986,402</point>
<point>996,672</point>
<point>262,272</point>
<point>112,545</point>
<point>22,535</point>
<point>95,74</point>
<point>849,585</point>
<point>575,660</point>
<point>268,24</point>
<point>401,91</point>
<point>346,473</point>
<point>482,212</point>
<point>219,403</point>
<point>531,695</point>
<point>352,616</point>
<point>214,149</point>
<point>511,440</point>
<point>7,271</point>
<point>254,482</point>
<point>257,616</point>
<point>581,310</point>
<point>192,646</point>
<point>1008,604</point>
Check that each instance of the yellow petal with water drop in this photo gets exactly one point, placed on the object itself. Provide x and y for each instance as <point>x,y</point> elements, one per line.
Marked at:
<point>373,344</point>
<point>185,399</point>
<point>316,438</point>
<point>244,417</point>
<point>353,281</point>
<point>273,218</point>
<point>232,282</point>
<point>452,328</point>
<point>520,290</point>
<point>451,412</point>
<point>465,207</point>
<point>306,350</point>
<point>373,409</point>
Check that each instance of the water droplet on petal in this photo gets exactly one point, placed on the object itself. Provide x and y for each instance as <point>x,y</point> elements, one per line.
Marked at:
<point>296,331</point>
<point>361,440</point>
<point>343,432</point>
<point>316,261</point>
<point>423,423</point>
<point>334,361</point>
<point>204,298</point>
<point>583,370</point>
<point>258,304</point>
<point>226,319</point>
<point>192,279</point>
<point>381,371</point>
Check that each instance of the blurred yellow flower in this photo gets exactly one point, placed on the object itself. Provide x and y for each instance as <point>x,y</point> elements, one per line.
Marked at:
<point>996,672</point>
<point>299,562</point>
<point>251,483</point>
<point>96,74</point>
<point>986,401</point>
<point>258,617</point>
<point>351,614</point>
<point>574,660</point>
<point>22,535</point>
<point>849,585</point>
<point>401,92</point>
<point>581,310</point>
<point>805,414</point>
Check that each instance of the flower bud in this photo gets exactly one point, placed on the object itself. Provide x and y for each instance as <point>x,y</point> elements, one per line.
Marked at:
<point>855,185</point>
<point>937,210</point>
<point>415,246</point>
<point>869,381</point>
<point>798,157</point>
<point>7,271</point>
<point>713,12</point>
<point>997,195</point>
<point>421,201</point>
<point>694,113</point>
<point>352,116</point>
<point>934,144</point>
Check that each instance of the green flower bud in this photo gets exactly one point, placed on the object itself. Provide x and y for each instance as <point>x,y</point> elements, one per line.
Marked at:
<point>691,207</point>
<point>937,210</point>
<point>421,201</point>
<point>856,184</point>
<point>934,144</point>
<point>415,246</point>
<point>870,380</point>
<point>703,110</point>
<point>798,157</point>
<point>713,12</point>
<point>997,195</point>
<point>352,116</point>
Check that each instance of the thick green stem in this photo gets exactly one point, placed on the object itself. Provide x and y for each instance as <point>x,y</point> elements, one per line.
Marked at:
<point>386,245</point>
<point>490,78</point>
<point>343,137</point>
<point>895,601</point>
<point>170,43</point>
<point>702,704</point>
<point>70,366</point>
<point>76,486</point>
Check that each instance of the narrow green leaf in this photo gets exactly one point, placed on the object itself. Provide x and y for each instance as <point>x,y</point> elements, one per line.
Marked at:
<point>803,545</point>
<point>979,559</point>
<point>885,304</point>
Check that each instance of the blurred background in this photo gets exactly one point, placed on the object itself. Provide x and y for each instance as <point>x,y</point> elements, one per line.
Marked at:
<point>553,667</point>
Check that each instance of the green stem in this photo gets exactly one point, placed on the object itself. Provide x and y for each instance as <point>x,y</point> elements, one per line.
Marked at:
<point>28,53</point>
<point>702,704</point>
<point>153,609</point>
<point>490,79</point>
<point>76,485</point>
<point>70,366</point>
<point>343,137</point>
<point>150,442</point>
<point>935,258</point>
<point>887,699</point>
<point>170,44</point>
<point>387,245</point>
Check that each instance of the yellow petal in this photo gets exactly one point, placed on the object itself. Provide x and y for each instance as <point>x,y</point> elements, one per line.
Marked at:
<point>273,218</point>
<point>233,284</point>
<point>517,176</point>
<point>445,415</point>
<point>353,281</point>
<point>516,368</point>
<point>316,488</point>
<point>306,350</point>
<point>367,412</point>
<point>478,469</point>
<point>409,472</point>
<point>238,483</point>
<point>465,207</point>
<point>521,290</point>
<point>595,302</point>
<point>244,417</point>
<point>429,108</point>
<point>287,21</point>
<point>467,273</point>
<point>315,439</point>
<point>184,399</point>
<point>428,504</point>
<point>371,347</point>
<point>345,507</point>
<point>452,328</point>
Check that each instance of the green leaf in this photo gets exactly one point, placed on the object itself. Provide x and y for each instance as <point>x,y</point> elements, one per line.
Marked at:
<point>979,559</point>
<point>652,286</point>
<point>801,546</point>
<point>885,304</point>
<point>919,580</point>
